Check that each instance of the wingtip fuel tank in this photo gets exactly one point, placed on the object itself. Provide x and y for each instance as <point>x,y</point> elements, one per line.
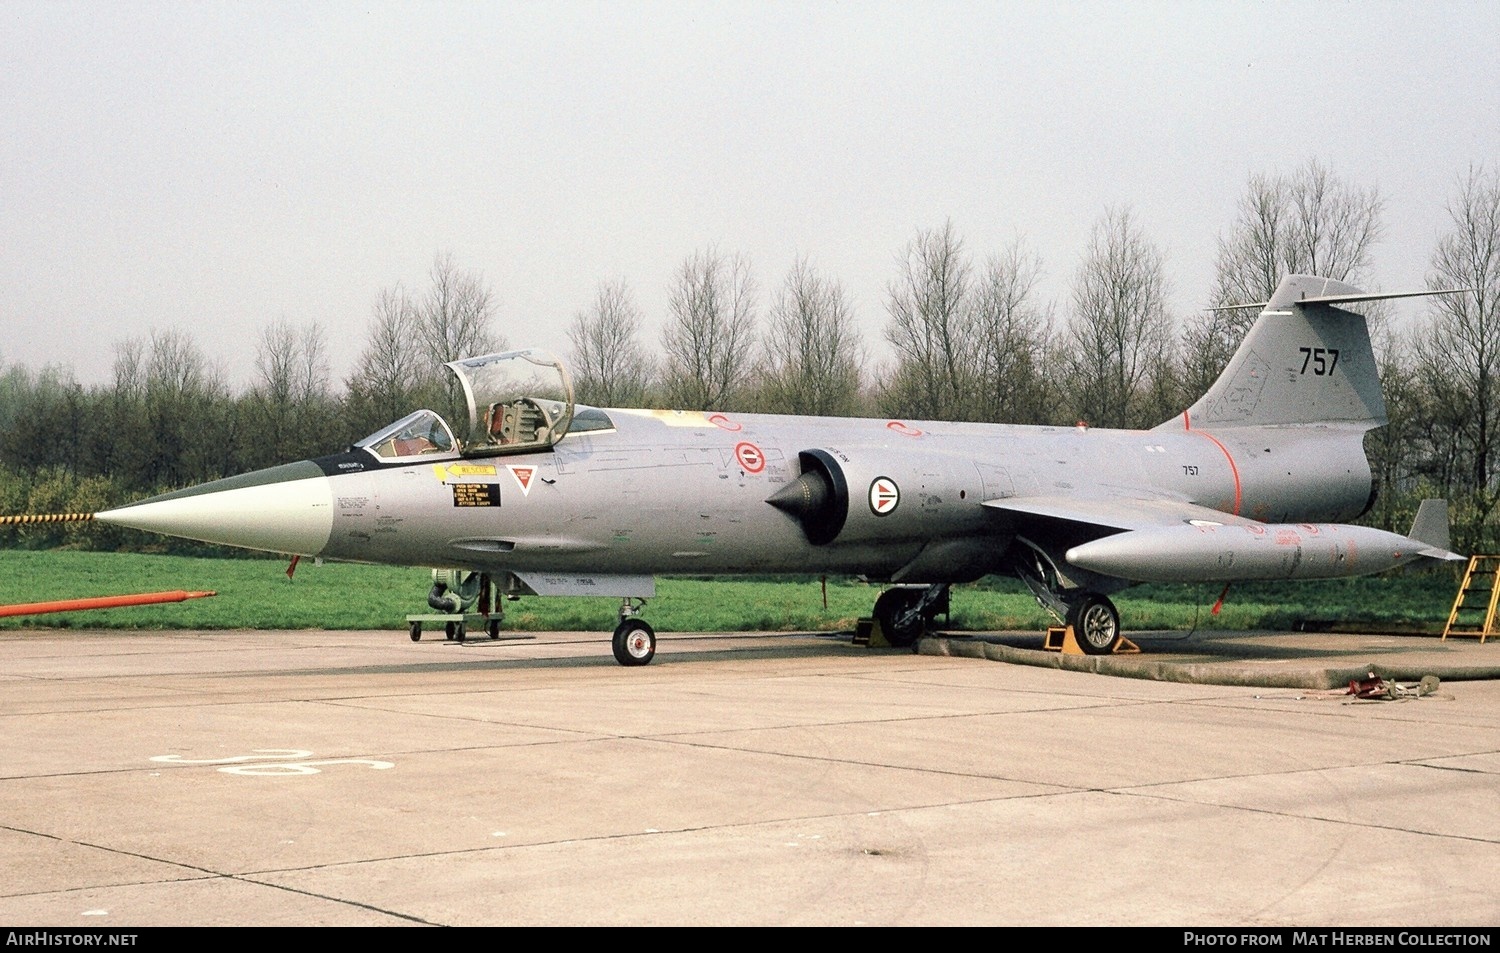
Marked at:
<point>1249,551</point>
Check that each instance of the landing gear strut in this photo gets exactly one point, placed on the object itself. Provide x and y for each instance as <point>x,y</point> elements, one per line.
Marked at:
<point>1095,620</point>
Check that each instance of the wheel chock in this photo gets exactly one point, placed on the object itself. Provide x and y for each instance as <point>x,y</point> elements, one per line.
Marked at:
<point>1060,638</point>
<point>869,633</point>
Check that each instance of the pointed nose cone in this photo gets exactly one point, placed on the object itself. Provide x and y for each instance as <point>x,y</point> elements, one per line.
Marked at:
<point>286,509</point>
<point>802,497</point>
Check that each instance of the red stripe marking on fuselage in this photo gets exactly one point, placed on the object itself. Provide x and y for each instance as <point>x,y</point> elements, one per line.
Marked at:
<point>1233,470</point>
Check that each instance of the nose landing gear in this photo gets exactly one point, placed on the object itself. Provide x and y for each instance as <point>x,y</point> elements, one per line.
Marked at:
<point>634,641</point>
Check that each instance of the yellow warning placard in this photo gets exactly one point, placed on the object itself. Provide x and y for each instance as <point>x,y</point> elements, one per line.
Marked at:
<point>446,470</point>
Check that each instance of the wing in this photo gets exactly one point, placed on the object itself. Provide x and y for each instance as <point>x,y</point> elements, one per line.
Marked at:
<point>1117,512</point>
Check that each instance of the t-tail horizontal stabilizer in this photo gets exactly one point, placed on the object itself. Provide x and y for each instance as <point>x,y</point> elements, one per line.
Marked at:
<point>1304,361</point>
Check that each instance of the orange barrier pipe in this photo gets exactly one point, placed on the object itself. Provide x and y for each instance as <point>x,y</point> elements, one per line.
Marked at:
<point>46,518</point>
<point>101,602</point>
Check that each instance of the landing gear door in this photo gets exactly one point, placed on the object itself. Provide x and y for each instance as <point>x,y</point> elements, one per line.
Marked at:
<point>519,401</point>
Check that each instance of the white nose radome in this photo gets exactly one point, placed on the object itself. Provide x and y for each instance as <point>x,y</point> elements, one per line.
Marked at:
<point>282,510</point>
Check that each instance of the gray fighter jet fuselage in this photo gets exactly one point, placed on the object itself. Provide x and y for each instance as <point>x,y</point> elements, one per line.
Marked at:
<point>919,502</point>
<point>1254,481</point>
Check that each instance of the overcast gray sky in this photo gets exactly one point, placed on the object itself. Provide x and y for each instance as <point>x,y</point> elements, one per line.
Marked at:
<point>215,166</point>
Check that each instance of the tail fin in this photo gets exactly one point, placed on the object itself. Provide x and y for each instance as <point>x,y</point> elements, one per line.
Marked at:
<point>1430,528</point>
<point>1302,362</point>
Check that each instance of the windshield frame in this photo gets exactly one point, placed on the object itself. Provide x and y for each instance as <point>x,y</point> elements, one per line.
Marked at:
<point>415,427</point>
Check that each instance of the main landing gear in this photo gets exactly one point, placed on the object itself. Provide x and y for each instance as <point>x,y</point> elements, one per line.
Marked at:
<point>1095,622</point>
<point>905,612</point>
<point>1094,619</point>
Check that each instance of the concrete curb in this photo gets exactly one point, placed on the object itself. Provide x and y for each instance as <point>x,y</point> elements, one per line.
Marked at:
<point>1239,665</point>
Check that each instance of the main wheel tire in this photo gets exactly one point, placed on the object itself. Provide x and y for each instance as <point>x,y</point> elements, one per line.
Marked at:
<point>634,642</point>
<point>416,631</point>
<point>1096,624</point>
<point>494,629</point>
<point>449,630</point>
<point>459,632</point>
<point>890,606</point>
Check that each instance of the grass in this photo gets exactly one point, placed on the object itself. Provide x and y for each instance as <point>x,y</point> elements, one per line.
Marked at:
<point>256,594</point>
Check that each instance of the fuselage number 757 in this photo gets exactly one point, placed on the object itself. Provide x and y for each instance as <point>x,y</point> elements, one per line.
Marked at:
<point>1322,360</point>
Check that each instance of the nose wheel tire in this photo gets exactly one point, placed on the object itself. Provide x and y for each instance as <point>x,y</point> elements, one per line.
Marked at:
<point>634,642</point>
<point>1096,624</point>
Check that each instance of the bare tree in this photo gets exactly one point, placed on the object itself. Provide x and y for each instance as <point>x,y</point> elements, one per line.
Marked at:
<point>1305,222</point>
<point>453,321</point>
<point>454,317</point>
<point>931,330</point>
<point>1013,332</point>
<point>710,333</point>
<point>174,364</point>
<point>291,363</point>
<point>171,419</point>
<point>129,367</point>
<point>289,406</point>
<point>812,357</point>
<point>1120,329</point>
<point>1459,355</point>
<point>609,366</point>
<point>387,381</point>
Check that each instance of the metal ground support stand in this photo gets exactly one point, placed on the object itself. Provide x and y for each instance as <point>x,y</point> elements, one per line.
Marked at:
<point>456,625</point>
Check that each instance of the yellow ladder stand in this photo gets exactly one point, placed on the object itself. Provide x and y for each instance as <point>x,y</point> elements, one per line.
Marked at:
<point>1480,593</point>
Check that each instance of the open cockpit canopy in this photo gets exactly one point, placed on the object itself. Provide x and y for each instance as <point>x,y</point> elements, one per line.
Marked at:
<point>518,401</point>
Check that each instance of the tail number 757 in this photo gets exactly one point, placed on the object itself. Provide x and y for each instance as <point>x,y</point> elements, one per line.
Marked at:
<point>1320,360</point>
